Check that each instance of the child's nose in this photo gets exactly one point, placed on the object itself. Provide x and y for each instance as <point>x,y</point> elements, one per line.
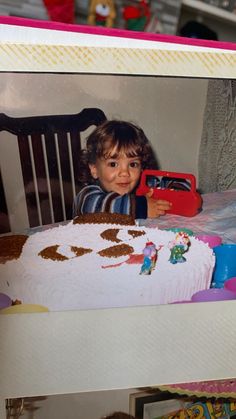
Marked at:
<point>124,171</point>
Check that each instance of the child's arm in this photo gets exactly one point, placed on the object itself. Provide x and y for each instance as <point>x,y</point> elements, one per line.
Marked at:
<point>93,199</point>
<point>156,207</point>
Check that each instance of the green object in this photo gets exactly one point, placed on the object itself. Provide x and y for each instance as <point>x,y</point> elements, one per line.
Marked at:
<point>137,24</point>
<point>177,230</point>
<point>100,23</point>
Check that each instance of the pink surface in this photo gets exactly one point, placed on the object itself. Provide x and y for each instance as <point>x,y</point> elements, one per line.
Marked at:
<point>216,218</point>
<point>222,388</point>
<point>230,284</point>
<point>8,20</point>
<point>211,240</point>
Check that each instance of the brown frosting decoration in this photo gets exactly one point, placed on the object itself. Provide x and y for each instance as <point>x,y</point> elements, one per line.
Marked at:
<point>80,251</point>
<point>116,251</point>
<point>16,302</point>
<point>111,234</point>
<point>52,253</point>
<point>135,233</point>
<point>104,218</point>
<point>11,247</point>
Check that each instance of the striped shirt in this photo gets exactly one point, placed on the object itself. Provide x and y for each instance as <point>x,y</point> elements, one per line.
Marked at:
<point>93,198</point>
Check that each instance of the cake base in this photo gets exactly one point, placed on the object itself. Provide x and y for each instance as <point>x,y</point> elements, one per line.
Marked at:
<point>84,266</point>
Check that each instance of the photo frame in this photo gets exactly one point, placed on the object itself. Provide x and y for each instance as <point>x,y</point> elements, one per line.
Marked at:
<point>161,332</point>
<point>155,404</point>
<point>140,399</point>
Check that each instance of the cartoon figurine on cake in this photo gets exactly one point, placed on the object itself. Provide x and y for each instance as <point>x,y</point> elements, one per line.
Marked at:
<point>150,258</point>
<point>178,247</point>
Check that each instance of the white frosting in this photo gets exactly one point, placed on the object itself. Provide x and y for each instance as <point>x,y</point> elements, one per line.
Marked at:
<point>83,282</point>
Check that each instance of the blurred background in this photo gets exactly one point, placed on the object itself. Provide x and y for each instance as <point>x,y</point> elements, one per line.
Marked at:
<point>212,19</point>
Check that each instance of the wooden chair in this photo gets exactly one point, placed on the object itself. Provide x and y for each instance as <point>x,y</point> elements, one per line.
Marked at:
<point>49,147</point>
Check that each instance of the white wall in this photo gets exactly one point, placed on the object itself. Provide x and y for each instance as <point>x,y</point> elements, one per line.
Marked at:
<point>170,110</point>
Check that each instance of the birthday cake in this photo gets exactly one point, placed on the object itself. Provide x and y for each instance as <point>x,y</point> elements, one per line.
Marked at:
<point>97,262</point>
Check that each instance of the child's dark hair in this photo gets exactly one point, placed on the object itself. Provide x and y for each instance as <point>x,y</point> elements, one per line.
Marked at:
<point>119,415</point>
<point>117,136</point>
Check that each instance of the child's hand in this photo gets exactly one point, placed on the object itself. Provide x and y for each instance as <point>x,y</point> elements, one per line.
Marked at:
<point>156,207</point>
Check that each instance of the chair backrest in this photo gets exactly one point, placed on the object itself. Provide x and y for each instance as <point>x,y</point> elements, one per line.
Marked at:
<point>49,147</point>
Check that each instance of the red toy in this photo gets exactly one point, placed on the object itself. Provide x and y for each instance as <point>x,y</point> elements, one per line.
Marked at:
<point>137,15</point>
<point>178,188</point>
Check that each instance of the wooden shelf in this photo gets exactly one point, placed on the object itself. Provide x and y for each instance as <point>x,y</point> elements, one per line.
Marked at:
<point>204,9</point>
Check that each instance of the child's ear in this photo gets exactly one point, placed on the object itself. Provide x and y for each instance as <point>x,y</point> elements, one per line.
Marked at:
<point>93,171</point>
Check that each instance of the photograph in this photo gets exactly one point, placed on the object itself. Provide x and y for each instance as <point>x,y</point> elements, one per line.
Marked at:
<point>52,144</point>
<point>164,405</point>
<point>138,403</point>
<point>117,220</point>
<point>84,405</point>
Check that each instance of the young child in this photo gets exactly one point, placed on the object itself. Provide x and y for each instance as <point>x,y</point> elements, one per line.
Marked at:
<point>111,165</point>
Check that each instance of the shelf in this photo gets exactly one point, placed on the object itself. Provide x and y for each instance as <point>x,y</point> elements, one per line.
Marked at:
<point>201,8</point>
<point>32,9</point>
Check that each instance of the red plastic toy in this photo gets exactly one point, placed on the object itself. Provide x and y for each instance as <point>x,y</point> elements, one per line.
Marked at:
<point>178,188</point>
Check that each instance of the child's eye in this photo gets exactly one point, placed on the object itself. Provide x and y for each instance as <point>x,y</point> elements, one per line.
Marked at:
<point>135,164</point>
<point>112,164</point>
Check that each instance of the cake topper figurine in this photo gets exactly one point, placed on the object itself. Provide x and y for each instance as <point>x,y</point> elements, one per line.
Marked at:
<point>150,258</point>
<point>178,247</point>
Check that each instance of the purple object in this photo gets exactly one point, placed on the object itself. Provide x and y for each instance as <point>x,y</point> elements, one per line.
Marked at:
<point>209,239</point>
<point>213,294</point>
<point>5,301</point>
<point>230,284</point>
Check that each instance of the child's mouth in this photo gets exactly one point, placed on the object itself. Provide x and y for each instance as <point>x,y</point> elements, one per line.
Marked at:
<point>123,185</point>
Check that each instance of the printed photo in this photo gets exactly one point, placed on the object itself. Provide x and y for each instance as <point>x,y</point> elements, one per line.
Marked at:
<point>111,183</point>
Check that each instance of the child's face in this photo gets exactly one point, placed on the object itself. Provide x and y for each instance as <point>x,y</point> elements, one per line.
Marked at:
<point>118,174</point>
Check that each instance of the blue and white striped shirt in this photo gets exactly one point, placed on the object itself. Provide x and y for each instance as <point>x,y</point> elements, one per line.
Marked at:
<point>93,198</point>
